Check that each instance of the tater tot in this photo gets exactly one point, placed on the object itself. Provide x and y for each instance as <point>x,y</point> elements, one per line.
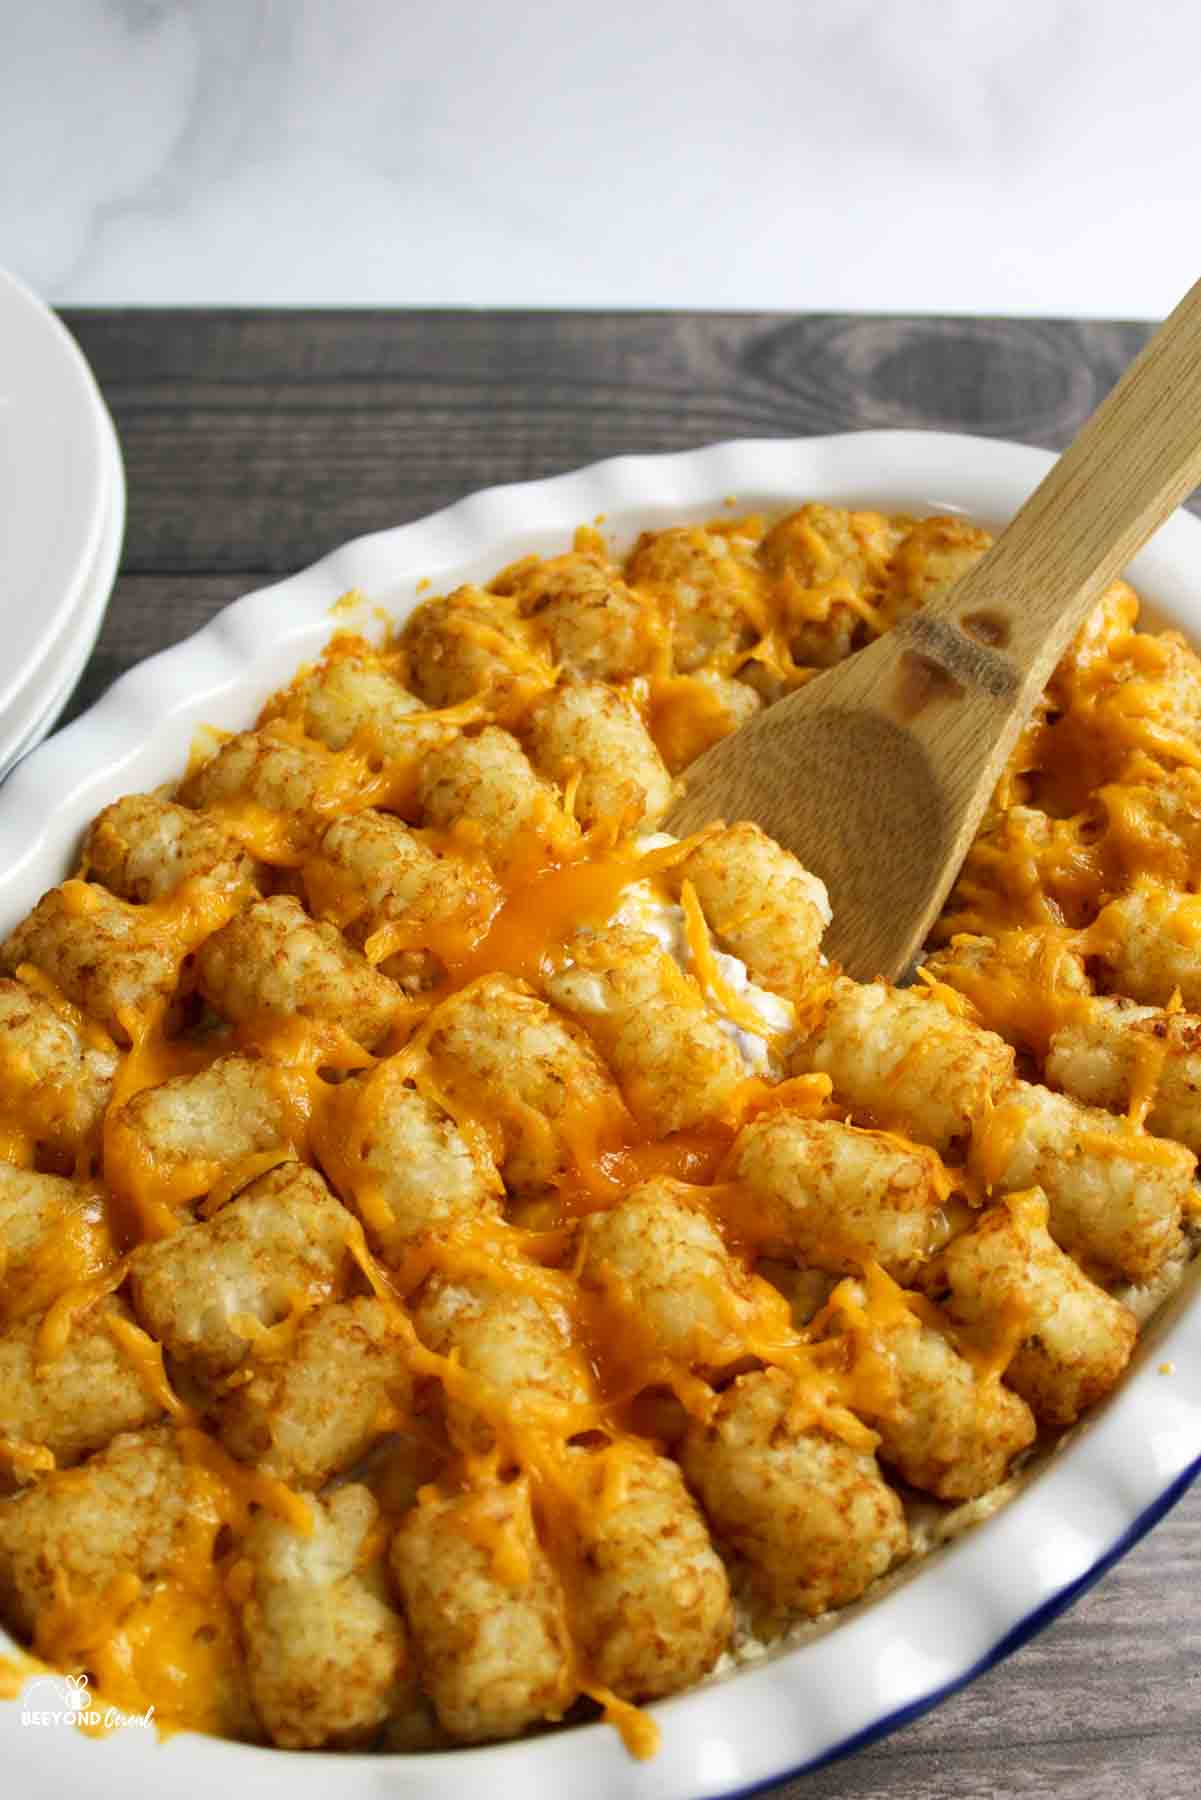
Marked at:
<point>54,1234</point>
<point>762,903</point>
<point>487,785</point>
<point>119,1513</point>
<point>585,730</point>
<point>652,1601</point>
<point>498,1048</point>
<point>519,1342</point>
<point>486,1612</point>
<point>355,694</point>
<point>272,963</point>
<point>1116,1195</point>
<point>78,1399</point>
<point>1110,1051</point>
<point>373,871</point>
<point>184,1135</point>
<point>1022,869</point>
<point>314,1411</point>
<point>687,713</point>
<point>401,1160</point>
<point>203,1291</point>
<point>55,1081</point>
<point>824,563</point>
<point>258,767</point>
<point>470,642</point>
<point>947,1428</point>
<point>1147,686</point>
<point>595,628</point>
<point>1099,647</point>
<point>327,1656</point>
<point>666,1266</point>
<point>142,849</point>
<point>1153,810</point>
<point>812,1516</point>
<point>712,596</point>
<point>1075,1338</point>
<point>93,948</point>
<point>834,1196</point>
<point>898,1058</point>
<point>676,1066</point>
<point>1023,982</point>
<point>932,556</point>
<point>1149,942</point>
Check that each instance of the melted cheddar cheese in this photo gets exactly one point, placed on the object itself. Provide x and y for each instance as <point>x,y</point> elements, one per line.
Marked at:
<point>1076,821</point>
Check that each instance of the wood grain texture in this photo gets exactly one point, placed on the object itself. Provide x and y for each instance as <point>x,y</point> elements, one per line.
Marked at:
<point>255,442</point>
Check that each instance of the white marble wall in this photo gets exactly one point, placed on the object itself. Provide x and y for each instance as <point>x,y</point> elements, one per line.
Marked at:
<point>964,155</point>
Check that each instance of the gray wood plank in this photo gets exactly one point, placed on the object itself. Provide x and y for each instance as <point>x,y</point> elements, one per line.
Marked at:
<point>255,442</point>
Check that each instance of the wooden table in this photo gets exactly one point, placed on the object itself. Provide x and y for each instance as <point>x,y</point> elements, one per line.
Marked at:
<point>255,442</point>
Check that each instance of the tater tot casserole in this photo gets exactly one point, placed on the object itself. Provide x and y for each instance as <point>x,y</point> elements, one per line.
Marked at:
<point>468,1261</point>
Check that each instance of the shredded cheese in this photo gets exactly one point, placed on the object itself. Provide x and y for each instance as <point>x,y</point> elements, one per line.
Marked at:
<point>1082,813</point>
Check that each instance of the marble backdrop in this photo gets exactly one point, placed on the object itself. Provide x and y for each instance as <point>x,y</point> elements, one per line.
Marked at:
<point>1029,156</point>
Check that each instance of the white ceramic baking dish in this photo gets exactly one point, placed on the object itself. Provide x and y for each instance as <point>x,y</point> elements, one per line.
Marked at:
<point>956,1612</point>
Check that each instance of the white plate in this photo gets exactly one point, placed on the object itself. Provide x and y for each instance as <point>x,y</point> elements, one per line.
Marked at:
<point>36,708</point>
<point>54,480</point>
<point>883,1660</point>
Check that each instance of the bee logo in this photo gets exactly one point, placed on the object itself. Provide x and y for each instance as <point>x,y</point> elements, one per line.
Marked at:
<point>77,1696</point>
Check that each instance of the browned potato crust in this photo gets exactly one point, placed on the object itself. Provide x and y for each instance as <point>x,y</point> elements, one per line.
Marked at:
<point>1076,1339</point>
<point>258,767</point>
<point>764,906</point>
<point>898,1058</point>
<point>946,1427</point>
<point>660,1258</point>
<point>352,696</point>
<point>676,1066</point>
<point>468,643</point>
<point>143,848</point>
<point>832,1196</point>
<point>77,1400</point>
<point>401,1160</point>
<point>521,1343</point>
<point>586,732</point>
<point>327,1655</point>
<point>594,627</point>
<point>484,788</point>
<point>274,963</point>
<point>192,1129</point>
<point>492,1643</point>
<point>315,1411</point>
<point>811,1516</point>
<point>121,1511</point>
<point>203,1291</point>
<point>54,1234</point>
<point>55,1082</point>
<point>653,1601</point>
<point>707,585</point>
<point>94,949</point>
<point>498,1044</point>
<point>1116,1196</point>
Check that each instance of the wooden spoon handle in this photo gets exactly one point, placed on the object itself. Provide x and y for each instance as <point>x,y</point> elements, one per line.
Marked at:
<point>1137,457</point>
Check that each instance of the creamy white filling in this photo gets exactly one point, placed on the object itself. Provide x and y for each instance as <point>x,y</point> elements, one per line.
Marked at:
<point>642,909</point>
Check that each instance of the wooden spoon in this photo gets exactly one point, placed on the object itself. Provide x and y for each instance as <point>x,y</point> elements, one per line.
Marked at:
<point>876,774</point>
